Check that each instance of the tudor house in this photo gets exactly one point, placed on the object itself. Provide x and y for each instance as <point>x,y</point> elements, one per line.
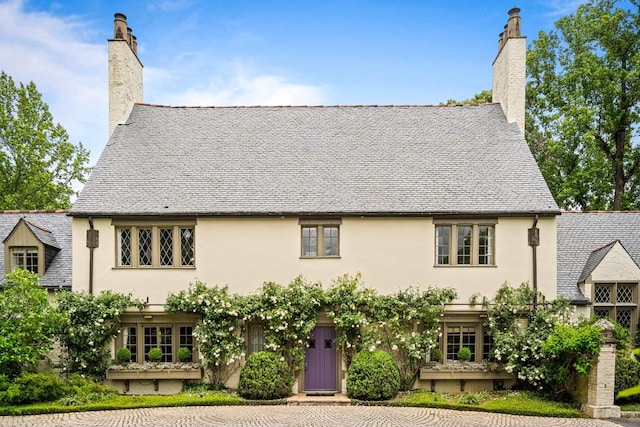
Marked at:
<point>446,196</point>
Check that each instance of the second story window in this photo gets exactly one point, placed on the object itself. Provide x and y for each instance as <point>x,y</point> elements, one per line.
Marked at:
<point>320,238</point>
<point>464,244</point>
<point>159,246</point>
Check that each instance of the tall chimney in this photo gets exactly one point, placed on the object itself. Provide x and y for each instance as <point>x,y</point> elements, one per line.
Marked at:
<point>125,73</point>
<point>509,71</point>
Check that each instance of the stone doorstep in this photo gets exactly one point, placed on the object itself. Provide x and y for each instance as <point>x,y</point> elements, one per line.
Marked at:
<point>302,399</point>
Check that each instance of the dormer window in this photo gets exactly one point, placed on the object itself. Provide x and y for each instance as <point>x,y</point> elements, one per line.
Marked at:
<point>31,247</point>
<point>25,258</point>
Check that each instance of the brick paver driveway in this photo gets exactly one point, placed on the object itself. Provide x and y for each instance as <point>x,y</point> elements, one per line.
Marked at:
<point>333,416</point>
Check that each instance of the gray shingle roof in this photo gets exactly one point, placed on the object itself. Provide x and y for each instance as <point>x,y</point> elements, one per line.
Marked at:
<point>355,160</point>
<point>43,234</point>
<point>58,224</point>
<point>580,233</point>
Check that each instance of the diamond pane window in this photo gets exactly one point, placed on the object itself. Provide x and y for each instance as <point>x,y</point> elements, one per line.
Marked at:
<point>602,313</point>
<point>187,247</point>
<point>124,247</point>
<point>166,246</point>
<point>144,246</point>
<point>602,294</point>
<point>624,293</point>
<point>624,316</point>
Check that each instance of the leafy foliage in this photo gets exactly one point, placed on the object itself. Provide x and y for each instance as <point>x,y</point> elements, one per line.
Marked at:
<point>219,330</point>
<point>627,375</point>
<point>27,322</point>
<point>583,99</point>
<point>30,388</point>
<point>38,164</point>
<point>464,354</point>
<point>184,354</point>
<point>265,375</point>
<point>408,326</point>
<point>543,347</point>
<point>352,307</point>
<point>155,354</point>
<point>289,315</point>
<point>91,322</point>
<point>483,97</point>
<point>373,375</point>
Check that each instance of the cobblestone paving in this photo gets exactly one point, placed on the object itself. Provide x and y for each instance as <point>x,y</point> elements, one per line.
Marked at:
<point>334,416</point>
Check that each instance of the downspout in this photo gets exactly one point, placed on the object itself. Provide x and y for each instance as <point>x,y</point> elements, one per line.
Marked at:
<point>92,243</point>
<point>534,242</point>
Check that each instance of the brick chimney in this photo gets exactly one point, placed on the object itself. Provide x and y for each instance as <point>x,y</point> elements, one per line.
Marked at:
<point>125,72</point>
<point>509,70</point>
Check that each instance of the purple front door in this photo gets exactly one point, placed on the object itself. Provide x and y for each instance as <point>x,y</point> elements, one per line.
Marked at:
<point>320,369</point>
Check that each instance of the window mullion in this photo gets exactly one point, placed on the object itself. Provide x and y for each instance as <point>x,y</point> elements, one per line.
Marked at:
<point>453,254</point>
<point>134,247</point>
<point>320,240</point>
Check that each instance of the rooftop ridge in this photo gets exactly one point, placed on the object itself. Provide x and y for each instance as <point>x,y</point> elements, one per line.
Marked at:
<point>608,244</point>
<point>34,211</point>
<point>599,212</point>
<point>317,106</point>
<point>39,227</point>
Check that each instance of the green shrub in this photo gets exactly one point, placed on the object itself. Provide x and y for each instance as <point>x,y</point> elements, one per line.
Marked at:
<point>627,373</point>
<point>155,355</point>
<point>265,376</point>
<point>464,354</point>
<point>123,355</point>
<point>184,354</point>
<point>32,388</point>
<point>436,355</point>
<point>373,375</point>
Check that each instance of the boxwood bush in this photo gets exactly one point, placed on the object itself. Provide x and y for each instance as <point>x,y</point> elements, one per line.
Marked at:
<point>627,374</point>
<point>373,375</point>
<point>265,376</point>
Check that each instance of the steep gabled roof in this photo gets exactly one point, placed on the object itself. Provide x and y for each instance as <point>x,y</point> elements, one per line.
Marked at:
<point>582,233</point>
<point>594,260</point>
<point>355,160</point>
<point>51,228</point>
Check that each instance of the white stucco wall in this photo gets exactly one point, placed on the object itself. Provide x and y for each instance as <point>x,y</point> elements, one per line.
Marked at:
<point>391,254</point>
<point>617,266</point>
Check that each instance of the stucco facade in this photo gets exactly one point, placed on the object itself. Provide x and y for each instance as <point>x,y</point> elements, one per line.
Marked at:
<point>391,253</point>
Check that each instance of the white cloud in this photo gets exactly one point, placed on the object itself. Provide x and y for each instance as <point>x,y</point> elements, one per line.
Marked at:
<point>559,8</point>
<point>238,88</point>
<point>68,71</point>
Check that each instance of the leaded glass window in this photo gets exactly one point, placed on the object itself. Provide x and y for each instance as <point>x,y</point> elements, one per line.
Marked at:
<point>330,241</point>
<point>166,246</point>
<point>485,245</point>
<point>124,246</point>
<point>144,246</point>
<point>186,247</point>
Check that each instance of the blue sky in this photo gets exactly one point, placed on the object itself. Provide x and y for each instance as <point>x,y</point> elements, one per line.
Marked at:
<point>260,52</point>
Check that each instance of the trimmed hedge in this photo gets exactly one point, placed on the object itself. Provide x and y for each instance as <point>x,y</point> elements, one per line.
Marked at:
<point>627,374</point>
<point>265,377</point>
<point>373,375</point>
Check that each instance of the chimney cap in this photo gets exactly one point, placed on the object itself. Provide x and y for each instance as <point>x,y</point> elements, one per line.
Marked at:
<point>514,11</point>
<point>119,15</point>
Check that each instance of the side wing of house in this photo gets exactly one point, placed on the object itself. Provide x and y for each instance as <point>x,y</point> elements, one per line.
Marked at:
<point>39,242</point>
<point>598,259</point>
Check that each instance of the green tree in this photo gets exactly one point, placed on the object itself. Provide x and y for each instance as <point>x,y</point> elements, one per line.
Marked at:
<point>27,322</point>
<point>583,95</point>
<point>483,97</point>
<point>38,164</point>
